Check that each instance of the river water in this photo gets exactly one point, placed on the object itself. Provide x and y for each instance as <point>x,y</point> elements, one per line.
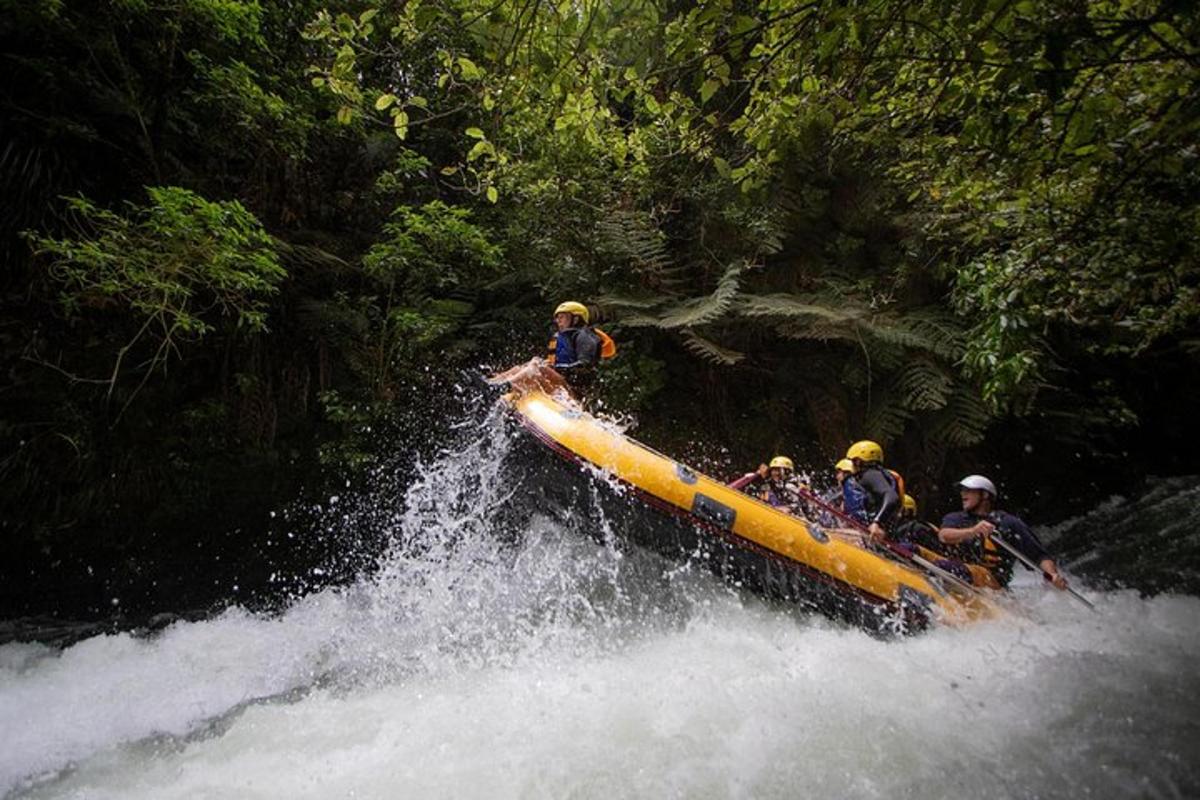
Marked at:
<point>494,654</point>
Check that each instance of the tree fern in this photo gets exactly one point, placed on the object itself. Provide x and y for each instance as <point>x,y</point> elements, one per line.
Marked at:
<point>710,351</point>
<point>794,305</point>
<point>923,386</point>
<point>632,236</point>
<point>700,310</point>
<point>886,420</point>
<point>672,313</point>
<point>917,330</point>
<point>820,331</point>
<point>963,421</point>
<point>300,256</point>
<point>628,301</point>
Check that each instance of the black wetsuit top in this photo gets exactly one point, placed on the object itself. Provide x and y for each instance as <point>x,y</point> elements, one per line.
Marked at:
<point>883,501</point>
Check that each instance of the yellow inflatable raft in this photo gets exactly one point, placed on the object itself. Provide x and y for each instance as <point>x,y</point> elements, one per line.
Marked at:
<point>738,536</point>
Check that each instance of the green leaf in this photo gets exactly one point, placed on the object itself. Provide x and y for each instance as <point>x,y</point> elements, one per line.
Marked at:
<point>492,194</point>
<point>479,149</point>
<point>709,89</point>
<point>345,114</point>
<point>468,69</point>
<point>384,101</point>
<point>475,133</point>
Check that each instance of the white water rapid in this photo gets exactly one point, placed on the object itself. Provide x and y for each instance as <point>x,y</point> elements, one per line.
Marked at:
<point>476,665</point>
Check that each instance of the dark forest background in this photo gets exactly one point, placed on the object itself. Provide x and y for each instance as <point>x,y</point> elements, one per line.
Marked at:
<point>254,253</point>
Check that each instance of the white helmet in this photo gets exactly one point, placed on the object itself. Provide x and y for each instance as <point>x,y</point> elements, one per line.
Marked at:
<point>978,482</point>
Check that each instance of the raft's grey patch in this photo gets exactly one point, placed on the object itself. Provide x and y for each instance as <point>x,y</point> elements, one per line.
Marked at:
<point>818,533</point>
<point>685,474</point>
<point>571,413</point>
<point>708,509</point>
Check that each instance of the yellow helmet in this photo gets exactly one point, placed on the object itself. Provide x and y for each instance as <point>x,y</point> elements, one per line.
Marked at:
<point>845,465</point>
<point>910,504</point>
<point>866,451</point>
<point>571,307</point>
<point>783,462</point>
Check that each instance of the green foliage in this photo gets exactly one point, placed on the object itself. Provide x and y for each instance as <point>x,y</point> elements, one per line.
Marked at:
<point>812,222</point>
<point>177,265</point>
<point>1056,132</point>
<point>351,449</point>
<point>434,248</point>
<point>630,383</point>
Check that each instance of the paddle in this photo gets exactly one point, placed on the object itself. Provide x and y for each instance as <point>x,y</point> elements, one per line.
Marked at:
<point>1037,568</point>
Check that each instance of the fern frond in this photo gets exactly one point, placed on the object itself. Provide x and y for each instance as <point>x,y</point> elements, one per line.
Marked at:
<point>924,387</point>
<point>886,421</point>
<point>308,256</point>
<point>927,332</point>
<point>942,331</point>
<point>632,236</point>
<point>700,310</point>
<point>964,420</point>
<point>641,321</point>
<point>627,301</point>
<point>791,305</point>
<point>820,331</point>
<point>709,350</point>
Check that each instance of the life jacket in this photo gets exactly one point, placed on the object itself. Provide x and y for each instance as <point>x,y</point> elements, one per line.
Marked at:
<point>608,348</point>
<point>990,565</point>
<point>980,575</point>
<point>898,481</point>
<point>854,499</point>
<point>785,494</point>
<point>789,496</point>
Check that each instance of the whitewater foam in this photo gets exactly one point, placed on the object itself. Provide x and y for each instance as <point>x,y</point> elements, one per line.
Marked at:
<point>519,658</point>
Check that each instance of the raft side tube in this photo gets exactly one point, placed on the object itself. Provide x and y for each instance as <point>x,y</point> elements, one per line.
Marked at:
<point>801,561</point>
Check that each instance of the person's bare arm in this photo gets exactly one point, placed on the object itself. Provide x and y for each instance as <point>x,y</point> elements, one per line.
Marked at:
<point>958,535</point>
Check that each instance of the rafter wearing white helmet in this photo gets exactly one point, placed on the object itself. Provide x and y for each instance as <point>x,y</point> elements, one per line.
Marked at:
<point>979,482</point>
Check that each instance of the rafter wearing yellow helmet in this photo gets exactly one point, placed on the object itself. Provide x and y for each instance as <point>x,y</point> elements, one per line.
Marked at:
<point>782,462</point>
<point>866,451</point>
<point>776,484</point>
<point>572,307</point>
<point>882,489</point>
<point>574,347</point>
